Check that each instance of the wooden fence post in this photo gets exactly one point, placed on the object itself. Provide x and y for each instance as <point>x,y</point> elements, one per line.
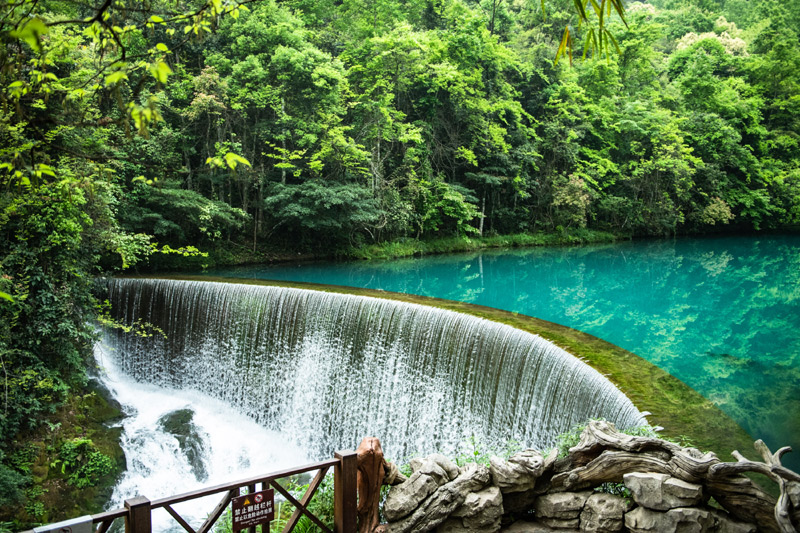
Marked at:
<point>138,518</point>
<point>344,492</point>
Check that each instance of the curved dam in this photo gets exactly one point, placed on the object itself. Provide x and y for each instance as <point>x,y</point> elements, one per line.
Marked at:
<point>325,369</point>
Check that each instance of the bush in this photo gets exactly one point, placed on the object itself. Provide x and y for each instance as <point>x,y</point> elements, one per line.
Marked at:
<point>82,464</point>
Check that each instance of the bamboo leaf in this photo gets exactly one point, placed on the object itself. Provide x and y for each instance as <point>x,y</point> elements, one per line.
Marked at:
<point>597,10</point>
<point>563,46</point>
<point>614,41</point>
<point>579,7</point>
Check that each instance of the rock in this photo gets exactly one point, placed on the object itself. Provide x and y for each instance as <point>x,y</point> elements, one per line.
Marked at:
<point>432,469</point>
<point>603,513</point>
<point>661,492</point>
<point>407,496</point>
<point>435,509</point>
<point>533,527</point>
<point>180,424</point>
<point>444,463</point>
<point>560,505</point>
<point>519,502</point>
<point>726,524</point>
<point>482,509</point>
<point>519,473</point>
<point>683,519</point>
<point>456,525</point>
<point>560,524</point>
<point>447,465</point>
<point>488,499</point>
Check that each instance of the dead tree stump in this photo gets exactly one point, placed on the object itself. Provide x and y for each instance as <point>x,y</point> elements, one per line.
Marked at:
<point>370,478</point>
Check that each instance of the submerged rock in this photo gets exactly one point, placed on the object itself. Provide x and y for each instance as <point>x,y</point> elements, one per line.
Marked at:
<point>180,424</point>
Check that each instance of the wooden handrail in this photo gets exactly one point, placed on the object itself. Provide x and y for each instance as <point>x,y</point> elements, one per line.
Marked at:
<point>170,500</point>
<point>137,510</point>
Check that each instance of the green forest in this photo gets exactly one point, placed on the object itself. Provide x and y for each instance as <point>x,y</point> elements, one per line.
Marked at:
<point>184,133</point>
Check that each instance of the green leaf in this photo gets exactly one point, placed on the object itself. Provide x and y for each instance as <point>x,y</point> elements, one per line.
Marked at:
<point>160,71</point>
<point>162,47</point>
<point>232,160</point>
<point>115,77</point>
<point>30,33</point>
<point>156,19</point>
<point>6,296</point>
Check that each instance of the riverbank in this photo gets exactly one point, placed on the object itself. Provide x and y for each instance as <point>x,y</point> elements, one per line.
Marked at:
<point>71,461</point>
<point>232,254</point>
<point>416,247</point>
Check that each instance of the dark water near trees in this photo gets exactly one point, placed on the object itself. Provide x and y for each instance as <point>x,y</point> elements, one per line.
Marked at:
<point>722,314</point>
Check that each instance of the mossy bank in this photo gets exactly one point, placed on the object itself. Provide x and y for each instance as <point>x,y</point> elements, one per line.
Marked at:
<point>72,461</point>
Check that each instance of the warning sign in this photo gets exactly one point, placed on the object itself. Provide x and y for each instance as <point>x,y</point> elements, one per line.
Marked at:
<point>253,509</point>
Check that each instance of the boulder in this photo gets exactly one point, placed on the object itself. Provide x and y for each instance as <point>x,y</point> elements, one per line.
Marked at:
<point>726,524</point>
<point>603,513</point>
<point>180,424</point>
<point>560,505</point>
<point>444,463</point>
<point>456,525</point>
<point>434,509</point>
<point>432,469</point>
<point>661,492</point>
<point>561,524</point>
<point>519,502</point>
<point>407,496</point>
<point>533,527</point>
<point>685,520</point>
<point>519,472</point>
<point>482,509</point>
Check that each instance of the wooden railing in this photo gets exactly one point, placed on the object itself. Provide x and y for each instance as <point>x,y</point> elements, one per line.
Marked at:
<point>137,511</point>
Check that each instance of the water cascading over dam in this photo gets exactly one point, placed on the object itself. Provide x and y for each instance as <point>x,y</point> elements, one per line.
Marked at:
<point>327,369</point>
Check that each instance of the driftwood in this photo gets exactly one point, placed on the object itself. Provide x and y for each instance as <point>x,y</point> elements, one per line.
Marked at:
<point>373,471</point>
<point>605,455</point>
<point>370,478</point>
<point>772,468</point>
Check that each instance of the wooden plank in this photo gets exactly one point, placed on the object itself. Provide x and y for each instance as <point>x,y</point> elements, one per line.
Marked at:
<point>178,518</point>
<point>286,494</point>
<point>345,498</point>
<point>304,501</point>
<point>171,500</point>
<point>138,519</point>
<point>217,512</point>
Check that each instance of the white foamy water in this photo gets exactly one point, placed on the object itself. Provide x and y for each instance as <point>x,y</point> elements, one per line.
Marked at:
<point>234,446</point>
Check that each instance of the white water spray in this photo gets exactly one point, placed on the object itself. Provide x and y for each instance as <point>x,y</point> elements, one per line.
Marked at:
<point>324,370</point>
<point>233,446</point>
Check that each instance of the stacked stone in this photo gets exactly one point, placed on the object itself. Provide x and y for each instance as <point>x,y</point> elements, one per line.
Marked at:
<point>670,504</point>
<point>670,489</point>
<point>439,496</point>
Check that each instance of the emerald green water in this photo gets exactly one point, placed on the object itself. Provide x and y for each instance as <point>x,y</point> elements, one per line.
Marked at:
<point>721,314</point>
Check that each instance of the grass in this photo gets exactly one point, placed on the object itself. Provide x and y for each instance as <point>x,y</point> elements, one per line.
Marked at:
<point>679,409</point>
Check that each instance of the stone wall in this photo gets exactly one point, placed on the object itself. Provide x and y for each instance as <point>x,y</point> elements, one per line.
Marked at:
<point>669,488</point>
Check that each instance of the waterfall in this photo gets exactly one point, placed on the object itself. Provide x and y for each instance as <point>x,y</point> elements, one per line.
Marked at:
<point>324,370</point>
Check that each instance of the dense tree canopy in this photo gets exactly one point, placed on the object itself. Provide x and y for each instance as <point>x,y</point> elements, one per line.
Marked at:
<point>132,128</point>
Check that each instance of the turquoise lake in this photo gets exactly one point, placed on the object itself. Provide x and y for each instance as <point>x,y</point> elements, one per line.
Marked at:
<point>721,314</point>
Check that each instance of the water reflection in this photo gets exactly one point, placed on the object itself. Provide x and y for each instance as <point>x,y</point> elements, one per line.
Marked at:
<point>722,314</point>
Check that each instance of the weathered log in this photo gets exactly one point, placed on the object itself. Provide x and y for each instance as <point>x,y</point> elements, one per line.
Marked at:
<point>605,455</point>
<point>772,468</point>
<point>370,478</point>
<point>688,464</point>
<point>609,467</point>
